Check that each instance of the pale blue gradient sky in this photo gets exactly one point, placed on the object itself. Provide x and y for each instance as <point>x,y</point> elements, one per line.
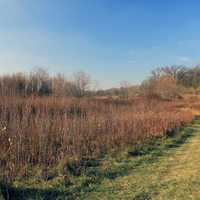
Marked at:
<point>113,40</point>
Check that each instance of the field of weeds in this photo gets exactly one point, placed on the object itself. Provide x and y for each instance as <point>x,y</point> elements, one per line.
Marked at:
<point>45,132</point>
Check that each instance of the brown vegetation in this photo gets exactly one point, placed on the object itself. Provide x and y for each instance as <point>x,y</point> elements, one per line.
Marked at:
<point>47,130</point>
<point>45,121</point>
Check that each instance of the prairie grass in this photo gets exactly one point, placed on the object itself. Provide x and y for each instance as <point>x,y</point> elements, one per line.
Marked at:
<point>47,131</point>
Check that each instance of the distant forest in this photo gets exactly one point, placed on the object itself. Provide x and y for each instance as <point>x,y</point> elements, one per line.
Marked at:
<point>165,82</point>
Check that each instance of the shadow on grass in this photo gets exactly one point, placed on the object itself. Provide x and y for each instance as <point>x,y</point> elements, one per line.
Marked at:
<point>11,193</point>
<point>68,193</point>
<point>175,139</point>
<point>143,196</point>
<point>182,138</point>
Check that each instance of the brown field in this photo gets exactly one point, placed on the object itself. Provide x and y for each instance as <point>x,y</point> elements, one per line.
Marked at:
<point>43,131</point>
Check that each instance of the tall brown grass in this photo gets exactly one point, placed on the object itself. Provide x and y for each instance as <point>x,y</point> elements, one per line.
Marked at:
<point>44,131</point>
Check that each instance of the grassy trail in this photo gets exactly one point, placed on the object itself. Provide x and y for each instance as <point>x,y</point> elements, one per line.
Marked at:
<point>174,176</point>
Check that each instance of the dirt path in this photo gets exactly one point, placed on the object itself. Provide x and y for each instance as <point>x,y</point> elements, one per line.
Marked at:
<point>175,176</point>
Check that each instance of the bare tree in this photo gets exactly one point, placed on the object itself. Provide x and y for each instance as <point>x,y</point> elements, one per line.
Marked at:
<point>39,82</point>
<point>124,87</point>
<point>20,85</point>
<point>164,87</point>
<point>176,72</point>
<point>58,85</point>
<point>82,83</point>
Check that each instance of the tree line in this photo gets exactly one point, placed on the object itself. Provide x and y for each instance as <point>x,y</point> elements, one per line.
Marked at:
<point>171,82</point>
<point>39,82</point>
<point>165,82</point>
<point>185,76</point>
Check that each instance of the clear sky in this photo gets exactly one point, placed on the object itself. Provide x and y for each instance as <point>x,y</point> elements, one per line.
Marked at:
<point>112,40</point>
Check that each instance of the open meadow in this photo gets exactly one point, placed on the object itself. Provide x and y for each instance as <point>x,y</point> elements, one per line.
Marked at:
<point>99,100</point>
<point>49,141</point>
<point>62,140</point>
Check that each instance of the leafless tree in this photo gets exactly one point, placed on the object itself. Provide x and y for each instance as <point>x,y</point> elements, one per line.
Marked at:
<point>82,83</point>
<point>176,72</point>
<point>58,85</point>
<point>124,87</point>
<point>164,87</point>
<point>39,82</point>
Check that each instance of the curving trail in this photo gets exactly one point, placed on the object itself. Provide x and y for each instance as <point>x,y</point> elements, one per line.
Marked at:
<point>173,176</point>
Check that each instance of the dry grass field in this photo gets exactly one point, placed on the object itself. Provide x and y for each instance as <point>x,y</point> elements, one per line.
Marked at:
<point>43,138</point>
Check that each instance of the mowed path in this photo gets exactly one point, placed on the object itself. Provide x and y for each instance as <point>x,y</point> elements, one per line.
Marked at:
<point>181,179</point>
<point>174,176</point>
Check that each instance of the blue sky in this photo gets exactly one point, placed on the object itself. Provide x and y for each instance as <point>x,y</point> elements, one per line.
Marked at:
<point>112,40</point>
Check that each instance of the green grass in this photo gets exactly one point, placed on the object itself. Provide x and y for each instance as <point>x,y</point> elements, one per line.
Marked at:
<point>163,168</point>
